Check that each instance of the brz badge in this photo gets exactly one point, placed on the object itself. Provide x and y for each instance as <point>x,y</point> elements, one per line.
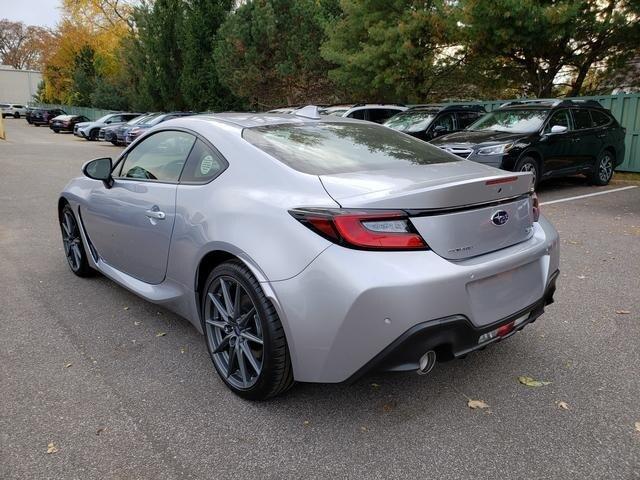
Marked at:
<point>500,218</point>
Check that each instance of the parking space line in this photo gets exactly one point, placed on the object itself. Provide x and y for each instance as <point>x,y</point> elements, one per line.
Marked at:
<point>588,195</point>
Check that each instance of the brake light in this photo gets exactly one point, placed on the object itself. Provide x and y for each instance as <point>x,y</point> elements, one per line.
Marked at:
<point>535,207</point>
<point>362,229</point>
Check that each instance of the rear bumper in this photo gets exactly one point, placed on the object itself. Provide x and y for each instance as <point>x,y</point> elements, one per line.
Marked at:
<point>349,306</point>
<point>450,337</point>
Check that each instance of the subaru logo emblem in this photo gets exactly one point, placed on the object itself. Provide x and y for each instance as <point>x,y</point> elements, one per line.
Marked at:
<point>500,218</point>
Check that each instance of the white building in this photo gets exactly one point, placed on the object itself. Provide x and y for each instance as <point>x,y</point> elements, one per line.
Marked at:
<point>18,86</point>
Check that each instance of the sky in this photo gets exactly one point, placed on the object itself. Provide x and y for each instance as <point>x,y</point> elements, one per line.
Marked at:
<point>32,12</point>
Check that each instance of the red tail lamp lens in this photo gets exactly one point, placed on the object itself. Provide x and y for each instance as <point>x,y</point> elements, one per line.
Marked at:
<point>505,329</point>
<point>365,229</point>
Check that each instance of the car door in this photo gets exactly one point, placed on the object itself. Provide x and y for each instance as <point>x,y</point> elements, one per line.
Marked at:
<point>557,148</point>
<point>586,141</point>
<point>444,123</point>
<point>130,224</point>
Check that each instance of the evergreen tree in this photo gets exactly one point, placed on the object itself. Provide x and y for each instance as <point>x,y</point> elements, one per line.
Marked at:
<point>84,76</point>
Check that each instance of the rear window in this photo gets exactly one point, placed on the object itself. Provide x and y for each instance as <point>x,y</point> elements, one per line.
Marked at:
<point>582,119</point>
<point>599,118</point>
<point>328,148</point>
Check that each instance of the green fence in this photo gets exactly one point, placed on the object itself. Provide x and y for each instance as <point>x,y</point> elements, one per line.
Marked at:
<point>90,113</point>
<point>626,108</point>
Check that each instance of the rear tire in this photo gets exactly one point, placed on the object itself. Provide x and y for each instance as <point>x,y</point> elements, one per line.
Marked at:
<point>72,244</point>
<point>244,336</point>
<point>16,115</point>
<point>603,169</point>
<point>529,164</point>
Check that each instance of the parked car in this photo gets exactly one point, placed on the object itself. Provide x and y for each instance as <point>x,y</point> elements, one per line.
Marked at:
<point>14,110</point>
<point>372,112</point>
<point>66,123</point>
<point>42,116</point>
<point>427,122</point>
<point>549,138</point>
<point>90,130</point>
<point>116,133</point>
<point>137,130</point>
<point>314,248</point>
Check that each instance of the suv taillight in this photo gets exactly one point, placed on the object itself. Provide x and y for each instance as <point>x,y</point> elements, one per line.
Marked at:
<point>362,229</point>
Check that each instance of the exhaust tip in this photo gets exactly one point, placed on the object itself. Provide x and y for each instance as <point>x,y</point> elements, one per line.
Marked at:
<point>427,362</point>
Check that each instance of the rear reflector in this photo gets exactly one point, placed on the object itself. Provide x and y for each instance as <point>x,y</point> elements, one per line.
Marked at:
<point>503,330</point>
<point>497,181</point>
<point>362,229</point>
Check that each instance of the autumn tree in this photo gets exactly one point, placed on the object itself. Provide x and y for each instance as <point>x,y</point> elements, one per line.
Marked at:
<point>22,46</point>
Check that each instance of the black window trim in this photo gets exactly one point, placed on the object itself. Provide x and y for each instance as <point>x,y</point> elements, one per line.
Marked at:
<point>603,112</point>
<point>126,152</point>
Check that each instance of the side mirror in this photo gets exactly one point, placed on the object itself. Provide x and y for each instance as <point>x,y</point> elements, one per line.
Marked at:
<point>558,129</point>
<point>99,169</point>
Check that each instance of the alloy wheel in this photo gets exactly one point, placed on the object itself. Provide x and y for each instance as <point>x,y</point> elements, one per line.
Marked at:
<point>234,332</point>
<point>530,167</point>
<point>605,168</point>
<point>71,240</point>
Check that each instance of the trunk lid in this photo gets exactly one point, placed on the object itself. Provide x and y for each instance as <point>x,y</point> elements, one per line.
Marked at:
<point>461,209</point>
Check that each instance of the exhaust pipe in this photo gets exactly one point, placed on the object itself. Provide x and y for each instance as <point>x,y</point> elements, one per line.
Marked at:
<point>427,362</point>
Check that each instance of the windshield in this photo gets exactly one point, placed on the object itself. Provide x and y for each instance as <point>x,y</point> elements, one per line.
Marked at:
<point>511,120</point>
<point>328,148</point>
<point>417,121</point>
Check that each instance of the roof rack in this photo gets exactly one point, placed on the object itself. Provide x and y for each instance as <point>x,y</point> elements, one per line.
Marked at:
<point>378,103</point>
<point>449,106</point>
<point>553,102</point>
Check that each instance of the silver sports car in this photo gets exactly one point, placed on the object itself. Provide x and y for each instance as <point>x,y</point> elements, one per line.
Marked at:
<point>314,248</point>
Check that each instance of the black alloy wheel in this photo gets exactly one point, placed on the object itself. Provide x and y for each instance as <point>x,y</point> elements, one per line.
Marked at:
<point>72,243</point>
<point>244,335</point>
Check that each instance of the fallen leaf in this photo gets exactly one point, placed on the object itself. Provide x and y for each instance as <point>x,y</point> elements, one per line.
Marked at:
<point>126,308</point>
<point>563,405</point>
<point>637,426</point>
<point>623,312</point>
<point>160,334</point>
<point>387,407</point>
<point>100,430</point>
<point>530,382</point>
<point>375,385</point>
<point>51,448</point>
<point>68,365</point>
<point>364,429</point>
<point>581,277</point>
<point>183,350</point>
<point>306,423</point>
<point>477,404</point>
<point>136,323</point>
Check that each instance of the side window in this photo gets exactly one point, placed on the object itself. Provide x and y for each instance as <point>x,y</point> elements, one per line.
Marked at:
<point>600,119</point>
<point>560,118</point>
<point>358,114</point>
<point>582,119</point>
<point>203,164</point>
<point>379,115</point>
<point>445,120</point>
<point>159,157</point>
<point>467,118</point>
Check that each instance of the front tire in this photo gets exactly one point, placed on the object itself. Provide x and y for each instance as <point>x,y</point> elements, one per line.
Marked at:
<point>244,336</point>
<point>72,243</point>
<point>93,135</point>
<point>603,171</point>
<point>16,115</point>
<point>529,164</point>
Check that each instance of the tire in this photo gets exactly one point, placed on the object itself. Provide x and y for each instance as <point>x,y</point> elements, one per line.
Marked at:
<point>603,169</point>
<point>16,115</point>
<point>529,164</point>
<point>93,135</point>
<point>252,370</point>
<point>72,244</point>
<point>55,130</point>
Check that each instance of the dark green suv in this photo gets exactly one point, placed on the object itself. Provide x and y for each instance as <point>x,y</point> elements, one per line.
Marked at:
<point>549,138</point>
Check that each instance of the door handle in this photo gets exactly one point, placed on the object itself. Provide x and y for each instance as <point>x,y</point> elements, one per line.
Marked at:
<point>154,213</point>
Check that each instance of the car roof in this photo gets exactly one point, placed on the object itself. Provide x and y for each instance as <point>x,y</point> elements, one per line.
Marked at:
<point>441,107</point>
<point>551,103</point>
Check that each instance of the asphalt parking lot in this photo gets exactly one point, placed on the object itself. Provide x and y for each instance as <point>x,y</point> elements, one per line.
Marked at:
<point>82,366</point>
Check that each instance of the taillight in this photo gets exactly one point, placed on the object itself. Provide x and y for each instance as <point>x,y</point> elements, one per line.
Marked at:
<point>363,229</point>
<point>535,207</point>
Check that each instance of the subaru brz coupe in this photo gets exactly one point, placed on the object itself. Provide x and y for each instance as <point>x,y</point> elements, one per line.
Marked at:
<point>314,248</point>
